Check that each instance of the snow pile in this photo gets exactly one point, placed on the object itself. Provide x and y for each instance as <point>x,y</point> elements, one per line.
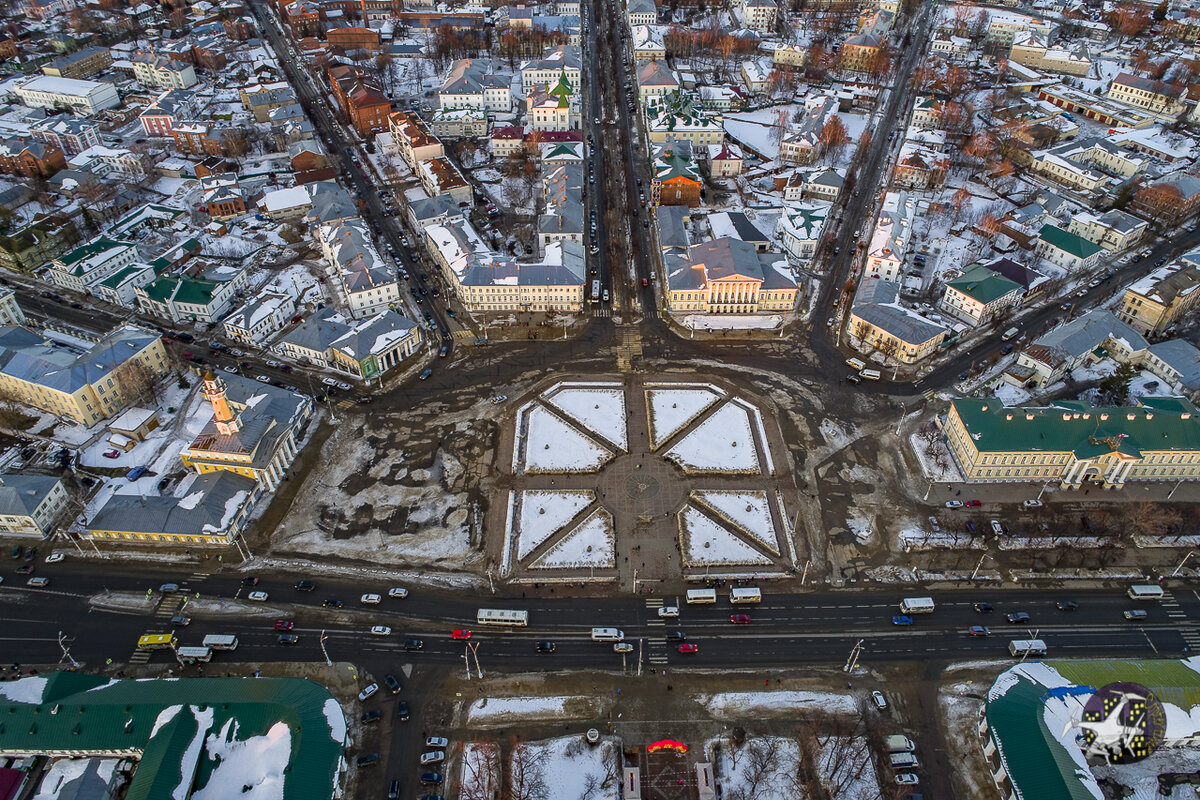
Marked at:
<point>591,544</point>
<point>191,755</point>
<point>336,719</point>
<point>748,510</point>
<point>164,717</point>
<point>544,513</point>
<point>705,542</point>
<point>25,690</point>
<point>673,409</point>
<point>598,409</point>
<point>722,443</point>
<point>747,705</point>
<point>67,770</point>
<point>552,445</point>
<point>257,763</point>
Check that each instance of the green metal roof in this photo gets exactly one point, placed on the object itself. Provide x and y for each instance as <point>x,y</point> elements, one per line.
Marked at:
<point>1079,427</point>
<point>89,714</point>
<point>983,285</point>
<point>1069,242</point>
<point>90,249</point>
<point>118,277</point>
<point>1038,766</point>
<point>195,291</point>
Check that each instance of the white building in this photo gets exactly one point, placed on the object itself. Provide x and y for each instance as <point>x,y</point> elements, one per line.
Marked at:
<point>30,504</point>
<point>472,83</point>
<point>82,97</point>
<point>366,280</point>
<point>85,266</point>
<point>891,237</point>
<point>160,72</point>
<point>801,226</point>
<point>254,322</point>
<point>557,61</point>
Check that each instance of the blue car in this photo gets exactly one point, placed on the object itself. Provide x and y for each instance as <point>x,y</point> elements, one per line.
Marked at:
<point>135,473</point>
<point>903,619</point>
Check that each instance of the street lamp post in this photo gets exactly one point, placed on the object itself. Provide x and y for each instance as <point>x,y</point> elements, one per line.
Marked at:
<point>1190,553</point>
<point>324,652</point>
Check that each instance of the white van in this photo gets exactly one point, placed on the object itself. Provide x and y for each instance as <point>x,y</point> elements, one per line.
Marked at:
<point>194,655</point>
<point>221,641</point>
<point>701,596</point>
<point>607,635</point>
<point>870,374</point>
<point>748,595</point>
<point>1145,592</point>
<point>1011,333</point>
<point>855,364</point>
<point>899,744</point>
<point>903,760</point>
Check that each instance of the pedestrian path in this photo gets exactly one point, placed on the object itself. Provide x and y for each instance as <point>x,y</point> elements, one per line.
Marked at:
<point>656,643</point>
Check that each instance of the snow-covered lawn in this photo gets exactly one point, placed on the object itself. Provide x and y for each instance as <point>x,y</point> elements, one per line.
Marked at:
<point>697,322</point>
<point>845,767</point>
<point>501,711</point>
<point>598,409</point>
<point>672,409</point>
<point>552,445</point>
<point>765,768</point>
<point>705,542</point>
<point>721,443</point>
<point>568,767</point>
<point>748,705</point>
<point>544,512</point>
<point>592,544</point>
<point>749,510</point>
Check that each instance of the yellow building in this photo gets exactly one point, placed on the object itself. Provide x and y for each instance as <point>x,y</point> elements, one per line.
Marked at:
<point>1074,443</point>
<point>85,388</point>
<point>1155,302</point>
<point>727,276</point>
<point>254,433</point>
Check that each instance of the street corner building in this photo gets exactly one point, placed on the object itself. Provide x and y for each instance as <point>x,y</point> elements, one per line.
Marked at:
<point>1075,443</point>
<point>728,276</point>
<point>186,739</point>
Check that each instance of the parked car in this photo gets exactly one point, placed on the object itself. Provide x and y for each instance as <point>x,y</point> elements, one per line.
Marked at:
<point>368,760</point>
<point>54,558</point>
<point>433,757</point>
<point>954,504</point>
<point>437,742</point>
<point>136,473</point>
<point>111,454</point>
<point>393,685</point>
<point>879,700</point>
<point>368,691</point>
<point>402,711</point>
<point>1032,503</point>
<point>372,716</point>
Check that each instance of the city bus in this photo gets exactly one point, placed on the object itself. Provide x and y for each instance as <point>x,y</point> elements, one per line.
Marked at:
<point>701,596</point>
<point>1146,592</point>
<point>916,605</point>
<point>1027,647</point>
<point>502,617</point>
<point>221,641</point>
<point>194,655</point>
<point>750,594</point>
<point>157,641</point>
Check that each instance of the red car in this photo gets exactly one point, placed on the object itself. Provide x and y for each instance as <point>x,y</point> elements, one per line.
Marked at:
<point>973,503</point>
<point>111,454</point>
<point>740,619</point>
<point>689,648</point>
<point>284,625</point>
<point>460,634</point>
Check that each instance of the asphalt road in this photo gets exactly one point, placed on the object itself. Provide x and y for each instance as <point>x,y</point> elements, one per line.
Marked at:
<point>786,630</point>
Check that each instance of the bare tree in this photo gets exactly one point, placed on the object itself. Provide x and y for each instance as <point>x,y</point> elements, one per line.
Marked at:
<point>526,774</point>
<point>480,771</point>
<point>760,769</point>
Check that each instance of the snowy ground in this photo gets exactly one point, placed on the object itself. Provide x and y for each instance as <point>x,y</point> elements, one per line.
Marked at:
<point>748,510</point>
<point>571,768</point>
<point>744,705</point>
<point>721,443</point>
<point>497,712</point>
<point>673,409</point>
<point>544,512</point>
<point>598,409</point>
<point>553,446</point>
<point>764,768</point>
<point>592,544</point>
<point>705,542</point>
<point>697,322</point>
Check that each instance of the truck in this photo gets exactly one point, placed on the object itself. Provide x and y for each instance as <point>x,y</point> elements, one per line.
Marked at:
<point>899,744</point>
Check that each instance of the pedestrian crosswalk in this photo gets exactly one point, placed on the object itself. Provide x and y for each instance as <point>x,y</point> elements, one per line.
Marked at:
<point>1191,637</point>
<point>602,311</point>
<point>656,645</point>
<point>1174,611</point>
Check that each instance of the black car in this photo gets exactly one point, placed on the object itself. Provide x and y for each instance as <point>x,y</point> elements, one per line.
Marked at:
<point>1066,605</point>
<point>413,644</point>
<point>305,586</point>
<point>431,778</point>
<point>250,580</point>
<point>390,681</point>
<point>402,711</point>
<point>394,791</point>
<point>983,608</point>
<point>333,604</point>
<point>545,647</point>
<point>1017,617</point>
<point>288,638</point>
<point>372,716</point>
<point>676,636</point>
<point>368,759</point>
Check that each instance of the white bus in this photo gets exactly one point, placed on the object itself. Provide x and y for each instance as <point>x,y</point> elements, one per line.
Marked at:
<point>750,594</point>
<point>194,655</point>
<point>1027,647</point>
<point>916,605</point>
<point>698,596</point>
<point>221,641</point>
<point>1146,592</point>
<point>502,617</point>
